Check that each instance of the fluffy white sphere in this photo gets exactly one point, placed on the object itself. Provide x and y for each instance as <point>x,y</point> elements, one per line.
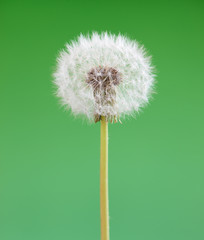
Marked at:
<point>104,75</point>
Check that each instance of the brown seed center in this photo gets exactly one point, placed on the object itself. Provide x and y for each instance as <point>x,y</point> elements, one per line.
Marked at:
<point>103,81</point>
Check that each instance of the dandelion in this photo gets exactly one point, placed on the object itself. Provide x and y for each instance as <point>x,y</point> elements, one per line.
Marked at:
<point>104,77</point>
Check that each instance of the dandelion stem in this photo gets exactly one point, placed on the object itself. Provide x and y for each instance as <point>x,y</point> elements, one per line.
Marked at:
<point>104,180</point>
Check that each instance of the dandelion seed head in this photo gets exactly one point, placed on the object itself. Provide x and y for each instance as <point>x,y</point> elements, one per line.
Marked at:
<point>104,75</point>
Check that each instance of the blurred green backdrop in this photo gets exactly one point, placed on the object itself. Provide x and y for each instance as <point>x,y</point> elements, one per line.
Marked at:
<point>49,167</point>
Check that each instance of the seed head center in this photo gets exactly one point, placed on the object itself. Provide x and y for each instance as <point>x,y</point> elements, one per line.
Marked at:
<point>103,81</point>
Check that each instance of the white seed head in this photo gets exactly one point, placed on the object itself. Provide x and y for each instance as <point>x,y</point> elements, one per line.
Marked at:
<point>104,75</point>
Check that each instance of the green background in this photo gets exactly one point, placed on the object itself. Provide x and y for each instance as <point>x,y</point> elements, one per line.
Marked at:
<point>49,167</point>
